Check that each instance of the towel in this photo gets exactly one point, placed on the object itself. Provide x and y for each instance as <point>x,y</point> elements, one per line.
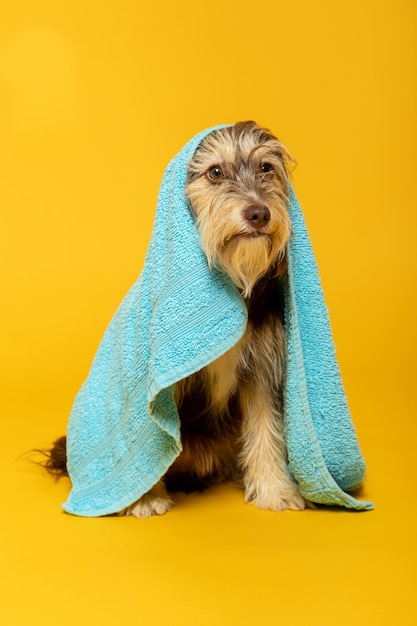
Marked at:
<point>180,315</point>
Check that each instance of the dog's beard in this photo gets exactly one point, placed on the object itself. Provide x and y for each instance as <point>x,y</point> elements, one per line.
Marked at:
<point>246,259</point>
<point>245,255</point>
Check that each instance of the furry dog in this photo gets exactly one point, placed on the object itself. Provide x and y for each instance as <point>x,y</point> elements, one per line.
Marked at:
<point>230,411</point>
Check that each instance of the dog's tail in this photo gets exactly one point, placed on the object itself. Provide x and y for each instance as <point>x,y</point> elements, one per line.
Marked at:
<point>55,458</point>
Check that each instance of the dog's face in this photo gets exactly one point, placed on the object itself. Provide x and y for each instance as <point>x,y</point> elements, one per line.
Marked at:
<point>237,187</point>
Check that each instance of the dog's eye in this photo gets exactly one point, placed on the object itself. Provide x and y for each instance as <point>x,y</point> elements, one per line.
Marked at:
<point>215,173</point>
<point>266,167</point>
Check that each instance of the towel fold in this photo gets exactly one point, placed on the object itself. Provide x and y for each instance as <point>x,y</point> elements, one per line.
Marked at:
<point>124,430</point>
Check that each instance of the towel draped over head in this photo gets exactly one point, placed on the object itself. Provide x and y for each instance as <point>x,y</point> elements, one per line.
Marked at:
<point>180,315</point>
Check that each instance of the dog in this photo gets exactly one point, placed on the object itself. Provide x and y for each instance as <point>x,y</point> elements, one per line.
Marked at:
<point>231,410</point>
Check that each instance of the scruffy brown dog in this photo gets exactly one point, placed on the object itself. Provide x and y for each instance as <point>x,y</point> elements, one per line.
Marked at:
<point>230,412</point>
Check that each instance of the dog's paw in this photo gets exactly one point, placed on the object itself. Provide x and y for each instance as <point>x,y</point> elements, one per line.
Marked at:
<point>279,498</point>
<point>149,505</point>
<point>155,502</point>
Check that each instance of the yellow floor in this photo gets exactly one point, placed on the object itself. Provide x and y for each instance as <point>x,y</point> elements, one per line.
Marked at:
<point>96,96</point>
<point>213,559</point>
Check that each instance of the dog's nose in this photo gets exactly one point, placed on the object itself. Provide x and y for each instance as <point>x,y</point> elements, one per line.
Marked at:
<point>258,215</point>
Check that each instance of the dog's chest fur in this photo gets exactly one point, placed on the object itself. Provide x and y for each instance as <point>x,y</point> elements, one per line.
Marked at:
<point>240,363</point>
<point>209,401</point>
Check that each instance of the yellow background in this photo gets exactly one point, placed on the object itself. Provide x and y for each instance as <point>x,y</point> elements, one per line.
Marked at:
<point>95,98</point>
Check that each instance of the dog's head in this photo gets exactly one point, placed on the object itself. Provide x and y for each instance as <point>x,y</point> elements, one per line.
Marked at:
<point>237,187</point>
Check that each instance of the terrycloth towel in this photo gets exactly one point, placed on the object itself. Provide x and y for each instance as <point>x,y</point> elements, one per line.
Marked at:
<point>124,429</point>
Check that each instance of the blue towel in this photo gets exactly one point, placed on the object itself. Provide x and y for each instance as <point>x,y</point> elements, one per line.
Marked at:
<point>124,430</point>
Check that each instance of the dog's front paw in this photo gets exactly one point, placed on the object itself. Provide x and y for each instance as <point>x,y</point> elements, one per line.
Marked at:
<point>149,505</point>
<point>155,502</point>
<point>277,497</point>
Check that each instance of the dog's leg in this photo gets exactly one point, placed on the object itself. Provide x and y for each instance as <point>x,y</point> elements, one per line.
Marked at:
<point>263,455</point>
<point>155,502</point>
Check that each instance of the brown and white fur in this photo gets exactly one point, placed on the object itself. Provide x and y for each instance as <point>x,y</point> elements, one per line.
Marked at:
<point>231,411</point>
